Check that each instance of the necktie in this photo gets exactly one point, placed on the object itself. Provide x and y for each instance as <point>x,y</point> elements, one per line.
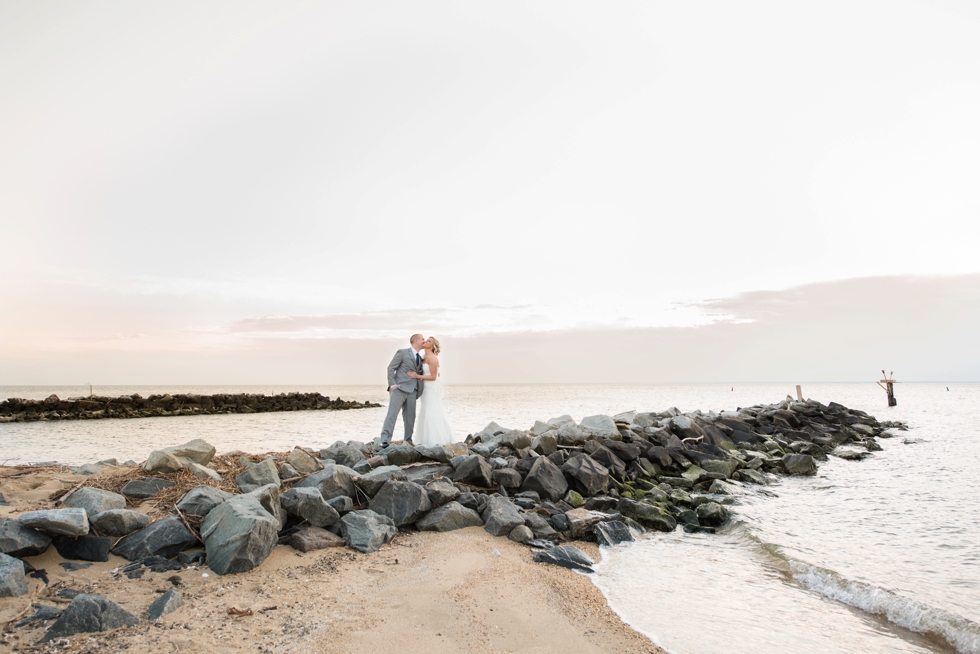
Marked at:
<point>418,360</point>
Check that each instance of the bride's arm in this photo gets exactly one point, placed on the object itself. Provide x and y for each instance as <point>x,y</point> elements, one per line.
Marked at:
<point>433,362</point>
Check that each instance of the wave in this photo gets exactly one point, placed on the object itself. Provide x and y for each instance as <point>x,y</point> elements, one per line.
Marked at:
<point>959,632</point>
<point>955,630</point>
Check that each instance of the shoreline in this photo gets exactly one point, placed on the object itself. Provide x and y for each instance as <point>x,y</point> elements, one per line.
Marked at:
<point>459,591</point>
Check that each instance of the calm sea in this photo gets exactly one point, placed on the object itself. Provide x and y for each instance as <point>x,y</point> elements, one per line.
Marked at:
<point>881,555</point>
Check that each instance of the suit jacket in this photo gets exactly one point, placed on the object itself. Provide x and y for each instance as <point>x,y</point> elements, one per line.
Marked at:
<point>398,369</point>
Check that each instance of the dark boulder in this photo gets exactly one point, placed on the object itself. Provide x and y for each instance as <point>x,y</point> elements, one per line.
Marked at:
<point>118,522</point>
<point>334,480</point>
<point>441,492</point>
<point>402,455</point>
<point>612,533</point>
<point>201,499</point>
<point>89,614</point>
<point>366,531</point>
<point>546,479</point>
<point>799,464</point>
<point>307,504</point>
<point>586,475</point>
<point>507,478</point>
<point>83,548</point>
<point>474,471</point>
<point>309,539</point>
<point>94,500</point>
<point>239,534</point>
<point>371,482</point>
<point>17,540</point>
<point>540,526</point>
<point>13,582</point>
<point>261,474</point>
<point>164,537</point>
<point>402,501</point>
<point>651,515</point>
<point>448,517</point>
<point>501,516</point>
<point>712,514</point>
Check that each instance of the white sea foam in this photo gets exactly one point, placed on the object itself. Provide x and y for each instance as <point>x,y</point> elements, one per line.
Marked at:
<point>959,632</point>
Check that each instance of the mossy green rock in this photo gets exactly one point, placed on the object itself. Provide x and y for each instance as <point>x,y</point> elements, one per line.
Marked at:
<point>575,499</point>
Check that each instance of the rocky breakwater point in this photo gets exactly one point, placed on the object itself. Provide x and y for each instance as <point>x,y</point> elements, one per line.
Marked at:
<point>182,404</point>
<point>605,479</point>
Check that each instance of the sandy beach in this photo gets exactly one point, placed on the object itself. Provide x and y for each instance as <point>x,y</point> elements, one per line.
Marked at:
<point>462,591</point>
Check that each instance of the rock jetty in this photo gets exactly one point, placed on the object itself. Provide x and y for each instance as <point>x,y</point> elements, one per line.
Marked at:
<point>605,479</point>
<point>183,404</point>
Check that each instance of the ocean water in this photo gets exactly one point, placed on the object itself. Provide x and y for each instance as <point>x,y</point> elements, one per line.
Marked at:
<point>881,555</point>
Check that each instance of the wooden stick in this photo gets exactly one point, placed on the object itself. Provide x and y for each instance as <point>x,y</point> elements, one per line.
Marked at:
<point>71,490</point>
<point>189,528</point>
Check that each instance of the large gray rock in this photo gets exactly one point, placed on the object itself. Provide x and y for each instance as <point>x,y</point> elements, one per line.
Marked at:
<point>89,614</point>
<point>65,522</point>
<point>371,482</point>
<point>95,500</point>
<point>586,475</point>
<point>402,501</point>
<point>602,426</point>
<point>501,516</point>
<point>475,471</point>
<point>164,538</point>
<point>304,462</point>
<point>119,522</point>
<point>366,531</point>
<point>800,464</point>
<point>140,489</point>
<point>435,452</point>
<point>333,481</point>
<point>718,466</point>
<point>651,515</point>
<point>307,504</point>
<point>166,603</point>
<point>546,479</point>
<point>540,526</point>
<point>17,540</point>
<point>202,472</point>
<point>402,455</point>
<point>448,517</point>
<point>172,459</point>
<point>261,474</point>
<point>13,583</point>
<point>520,534</point>
<point>507,478</point>
<point>546,443</point>
<point>201,499</point>
<point>515,439</point>
<point>239,534</point>
<point>441,492</point>
<point>349,455</point>
<point>268,496</point>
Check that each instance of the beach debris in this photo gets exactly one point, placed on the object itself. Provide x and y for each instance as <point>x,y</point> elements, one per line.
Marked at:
<point>240,613</point>
<point>42,614</point>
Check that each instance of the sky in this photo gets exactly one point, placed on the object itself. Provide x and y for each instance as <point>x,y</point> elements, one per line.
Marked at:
<point>253,192</point>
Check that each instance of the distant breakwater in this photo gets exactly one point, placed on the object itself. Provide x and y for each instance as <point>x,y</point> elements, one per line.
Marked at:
<point>135,406</point>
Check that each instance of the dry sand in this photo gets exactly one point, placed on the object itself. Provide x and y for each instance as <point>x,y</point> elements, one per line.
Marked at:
<point>462,591</point>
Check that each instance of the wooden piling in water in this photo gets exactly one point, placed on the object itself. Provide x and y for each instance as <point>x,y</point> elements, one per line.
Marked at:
<point>799,393</point>
<point>889,387</point>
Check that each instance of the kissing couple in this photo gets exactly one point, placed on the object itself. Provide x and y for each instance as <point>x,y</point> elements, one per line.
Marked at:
<point>413,374</point>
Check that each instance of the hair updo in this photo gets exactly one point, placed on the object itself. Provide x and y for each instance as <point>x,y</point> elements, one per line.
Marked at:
<point>436,348</point>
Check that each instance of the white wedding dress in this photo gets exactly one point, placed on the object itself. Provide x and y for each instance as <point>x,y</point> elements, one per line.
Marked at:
<point>432,428</point>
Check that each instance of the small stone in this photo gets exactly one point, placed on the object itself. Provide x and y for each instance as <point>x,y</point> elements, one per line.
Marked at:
<point>166,603</point>
<point>141,489</point>
<point>574,499</point>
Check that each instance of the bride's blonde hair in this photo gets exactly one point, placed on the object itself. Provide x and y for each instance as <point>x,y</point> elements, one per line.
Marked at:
<point>436,348</point>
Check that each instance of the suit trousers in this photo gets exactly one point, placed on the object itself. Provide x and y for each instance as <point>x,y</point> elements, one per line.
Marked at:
<point>405,402</point>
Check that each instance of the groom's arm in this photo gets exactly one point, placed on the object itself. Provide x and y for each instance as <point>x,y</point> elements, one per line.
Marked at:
<point>392,367</point>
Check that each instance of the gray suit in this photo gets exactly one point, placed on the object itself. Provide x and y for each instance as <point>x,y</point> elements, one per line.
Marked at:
<point>403,397</point>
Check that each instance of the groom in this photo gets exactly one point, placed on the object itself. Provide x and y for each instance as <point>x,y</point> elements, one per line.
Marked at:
<point>402,390</point>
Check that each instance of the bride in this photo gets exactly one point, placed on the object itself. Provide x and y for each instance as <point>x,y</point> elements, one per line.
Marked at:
<point>432,427</point>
